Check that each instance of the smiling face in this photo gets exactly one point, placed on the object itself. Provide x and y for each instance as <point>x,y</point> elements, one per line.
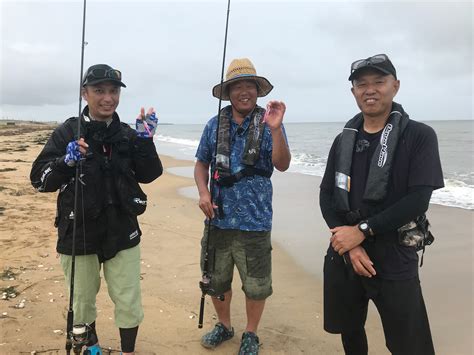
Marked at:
<point>374,93</point>
<point>243,97</point>
<point>102,99</point>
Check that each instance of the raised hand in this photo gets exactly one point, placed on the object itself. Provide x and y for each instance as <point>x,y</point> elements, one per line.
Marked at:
<point>274,114</point>
<point>75,150</point>
<point>146,124</point>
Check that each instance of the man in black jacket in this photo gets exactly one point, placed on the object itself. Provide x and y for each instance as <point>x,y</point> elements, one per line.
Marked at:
<point>112,159</point>
<point>378,182</point>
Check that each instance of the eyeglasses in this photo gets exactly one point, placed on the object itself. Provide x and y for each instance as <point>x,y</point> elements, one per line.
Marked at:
<point>99,73</point>
<point>376,59</point>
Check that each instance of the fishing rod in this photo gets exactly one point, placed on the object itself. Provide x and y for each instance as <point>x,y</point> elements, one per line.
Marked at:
<point>76,336</point>
<point>205,283</point>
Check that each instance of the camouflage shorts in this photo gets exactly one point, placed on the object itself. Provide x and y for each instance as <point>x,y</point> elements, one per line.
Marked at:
<point>249,251</point>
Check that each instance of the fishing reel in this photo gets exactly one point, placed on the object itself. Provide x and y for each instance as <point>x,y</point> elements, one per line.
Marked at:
<point>205,286</point>
<point>80,336</point>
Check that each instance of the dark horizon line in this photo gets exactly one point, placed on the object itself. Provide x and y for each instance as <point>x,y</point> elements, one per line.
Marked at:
<point>202,123</point>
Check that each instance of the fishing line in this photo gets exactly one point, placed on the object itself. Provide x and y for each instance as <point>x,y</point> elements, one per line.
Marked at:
<point>70,312</point>
<point>205,283</point>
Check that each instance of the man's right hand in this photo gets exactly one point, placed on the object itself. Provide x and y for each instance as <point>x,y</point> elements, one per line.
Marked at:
<point>75,150</point>
<point>205,204</point>
<point>361,262</point>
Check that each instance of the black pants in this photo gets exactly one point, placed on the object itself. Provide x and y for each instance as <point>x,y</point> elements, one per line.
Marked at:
<point>399,303</point>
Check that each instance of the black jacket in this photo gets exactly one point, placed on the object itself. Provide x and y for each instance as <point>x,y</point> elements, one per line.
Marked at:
<point>116,162</point>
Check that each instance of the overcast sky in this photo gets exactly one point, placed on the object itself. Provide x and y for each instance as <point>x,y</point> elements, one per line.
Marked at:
<point>170,54</point>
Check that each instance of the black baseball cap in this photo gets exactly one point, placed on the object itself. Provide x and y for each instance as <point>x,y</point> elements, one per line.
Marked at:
<point>379,62</point>
<point>100,73</point>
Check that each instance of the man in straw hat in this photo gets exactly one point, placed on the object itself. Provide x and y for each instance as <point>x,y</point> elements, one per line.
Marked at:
<point>251,141</point>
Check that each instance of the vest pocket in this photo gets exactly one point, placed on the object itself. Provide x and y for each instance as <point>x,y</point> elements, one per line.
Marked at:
<point>132,198</point>
<point>334,270</point>
<point>89,201</point>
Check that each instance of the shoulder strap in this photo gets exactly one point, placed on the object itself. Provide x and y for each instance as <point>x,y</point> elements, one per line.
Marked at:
<point>223,143</point>
<point>72,121</point>
<point>382,160</point>
<point>343,162</point>
<point>254,137</point>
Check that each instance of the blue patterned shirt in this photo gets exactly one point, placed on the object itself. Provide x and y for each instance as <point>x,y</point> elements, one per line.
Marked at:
<point>247,205</point>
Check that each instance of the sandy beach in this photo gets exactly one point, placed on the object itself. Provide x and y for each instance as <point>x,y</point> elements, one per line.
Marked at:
<point>33,315</point>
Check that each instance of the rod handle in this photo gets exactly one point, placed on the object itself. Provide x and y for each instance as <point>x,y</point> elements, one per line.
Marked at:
<point>201,310</point>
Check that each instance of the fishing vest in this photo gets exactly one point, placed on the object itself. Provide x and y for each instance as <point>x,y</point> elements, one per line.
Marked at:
<point>119,188</point>
<point>222,174</point>
<point>380,165</point>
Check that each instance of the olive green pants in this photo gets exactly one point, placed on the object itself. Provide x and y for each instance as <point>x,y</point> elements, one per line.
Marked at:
<point>122,274</point>
<point>249,251</point>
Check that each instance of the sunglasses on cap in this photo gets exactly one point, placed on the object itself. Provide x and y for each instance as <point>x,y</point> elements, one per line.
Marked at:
<point>375,59</point>
<point>99,73</point>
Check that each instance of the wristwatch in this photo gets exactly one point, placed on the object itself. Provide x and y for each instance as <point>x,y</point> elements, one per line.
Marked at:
<point>365,228</point>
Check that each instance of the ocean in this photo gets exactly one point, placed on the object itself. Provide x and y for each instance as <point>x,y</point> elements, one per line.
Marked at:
<point>310,144</point>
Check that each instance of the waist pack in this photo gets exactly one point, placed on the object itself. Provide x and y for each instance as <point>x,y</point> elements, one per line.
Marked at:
<point>416,234</point>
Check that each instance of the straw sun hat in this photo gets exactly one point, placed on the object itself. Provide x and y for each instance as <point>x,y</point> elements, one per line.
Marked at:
<point>242,69</point>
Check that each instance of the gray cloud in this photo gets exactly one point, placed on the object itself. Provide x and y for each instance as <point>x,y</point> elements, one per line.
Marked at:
<point>170,54</point>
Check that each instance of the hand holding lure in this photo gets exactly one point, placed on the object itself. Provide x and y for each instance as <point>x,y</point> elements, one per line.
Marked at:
<point>145,125</point>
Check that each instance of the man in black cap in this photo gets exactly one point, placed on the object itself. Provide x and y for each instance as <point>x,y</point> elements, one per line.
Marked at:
<point>113,159</point>
<point>379,177</point>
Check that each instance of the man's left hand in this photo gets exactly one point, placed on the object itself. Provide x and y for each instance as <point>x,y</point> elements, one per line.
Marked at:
<point>345,238</point>
<point>146,124</point>
<point>274,114</point>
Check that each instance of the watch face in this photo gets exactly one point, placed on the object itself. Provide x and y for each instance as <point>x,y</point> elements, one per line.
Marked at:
<point>364,226</point>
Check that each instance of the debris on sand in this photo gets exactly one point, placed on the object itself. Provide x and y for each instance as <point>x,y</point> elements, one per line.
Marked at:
<point>9,292</point>
<point>20,305</point>
<point>5,315</point>
<point>8,275</point>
